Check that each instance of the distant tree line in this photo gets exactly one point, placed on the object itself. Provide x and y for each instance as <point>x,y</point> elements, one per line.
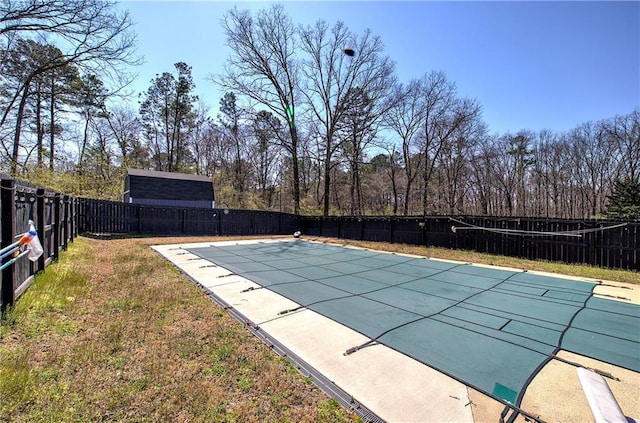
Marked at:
<point>302,126</point>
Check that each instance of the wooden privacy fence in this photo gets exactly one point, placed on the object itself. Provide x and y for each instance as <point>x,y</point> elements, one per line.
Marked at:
<point>98,216</point>
<point>59,218</point>
<point>55,219</point>
<point>612,244</point>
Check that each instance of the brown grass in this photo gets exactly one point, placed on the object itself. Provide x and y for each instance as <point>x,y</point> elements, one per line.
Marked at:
<point>578,270</point>
<point>114,333</point>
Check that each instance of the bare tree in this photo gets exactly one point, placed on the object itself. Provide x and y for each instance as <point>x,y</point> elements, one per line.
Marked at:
<point>197,138</point>
<point>405,119</point>
<point>213,155</point>
<point>482,174</point>
<point>594,158</point>
<point>330,75</point>
<point>358,132</point>
<point>510,169</point>
<point>384,174</point>
<point>264,154</point>
<point>454,163</point>
<point>625,131</point>
<point>542,172</point>
<point>311,169</point>
<point>93,33</point>
<point>263,68</point>
<point>88,97</point>
<point>444,114</point>
<point>125,127</point>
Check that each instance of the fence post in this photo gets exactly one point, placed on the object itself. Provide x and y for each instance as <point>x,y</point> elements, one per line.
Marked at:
<point>7,196</point>
<point>252,224</point>
<point>57,225</point>
<point>65,225</point>
<point>40,227</point>
<point>74,217</point>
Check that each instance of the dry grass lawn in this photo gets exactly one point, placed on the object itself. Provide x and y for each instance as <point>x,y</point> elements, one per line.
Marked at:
<point>112,332</point>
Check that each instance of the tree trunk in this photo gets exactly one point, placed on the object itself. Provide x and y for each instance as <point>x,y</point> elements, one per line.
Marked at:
<point>394,188</point>
<point>327,178</point>
<point>19,117</point>
<point>52,125</point>
<point>296,170</point>
<point>40,131</point>
<point>407,170</point>
<point>85,138</point>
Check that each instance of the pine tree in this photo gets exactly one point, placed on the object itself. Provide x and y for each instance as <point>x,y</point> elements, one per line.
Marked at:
<point>624,201</point>
<point>167,113</point>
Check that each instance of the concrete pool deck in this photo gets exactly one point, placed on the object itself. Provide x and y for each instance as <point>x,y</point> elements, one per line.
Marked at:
<point>390,384</point>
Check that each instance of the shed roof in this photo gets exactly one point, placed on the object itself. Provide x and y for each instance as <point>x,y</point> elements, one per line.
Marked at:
<point>168,175</point>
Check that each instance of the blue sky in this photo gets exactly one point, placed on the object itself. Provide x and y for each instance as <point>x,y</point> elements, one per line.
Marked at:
<point>531,65</point>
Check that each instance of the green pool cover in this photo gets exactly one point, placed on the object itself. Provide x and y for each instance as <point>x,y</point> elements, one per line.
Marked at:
<point>491,329</point>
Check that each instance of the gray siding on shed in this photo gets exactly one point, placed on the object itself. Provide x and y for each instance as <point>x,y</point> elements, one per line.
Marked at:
<point>168,189</point>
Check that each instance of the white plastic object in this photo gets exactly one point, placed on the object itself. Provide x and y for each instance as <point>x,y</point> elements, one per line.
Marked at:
<point>603,404</point>
<point>33,246</point>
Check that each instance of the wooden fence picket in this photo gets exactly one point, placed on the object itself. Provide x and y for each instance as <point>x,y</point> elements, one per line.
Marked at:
<point>54,222</point>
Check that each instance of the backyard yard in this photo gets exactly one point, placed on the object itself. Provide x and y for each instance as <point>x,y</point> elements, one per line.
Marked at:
<point>113,332</point>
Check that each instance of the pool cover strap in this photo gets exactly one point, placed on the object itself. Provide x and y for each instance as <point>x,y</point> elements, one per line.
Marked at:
<point>492,329</point>
<point>359,347</point>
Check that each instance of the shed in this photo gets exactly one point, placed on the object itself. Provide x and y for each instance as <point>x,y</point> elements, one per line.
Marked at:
<point>168,189</point>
